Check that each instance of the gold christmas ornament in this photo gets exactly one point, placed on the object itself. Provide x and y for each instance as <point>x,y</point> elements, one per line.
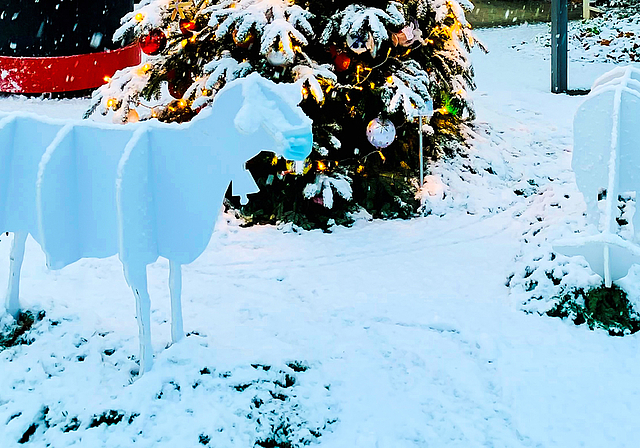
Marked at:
<point>133,116</point>
<point>179,8</point>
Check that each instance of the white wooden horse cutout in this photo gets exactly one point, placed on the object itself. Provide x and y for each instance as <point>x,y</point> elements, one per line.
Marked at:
<point>141,191</point>
<point>606,161</point>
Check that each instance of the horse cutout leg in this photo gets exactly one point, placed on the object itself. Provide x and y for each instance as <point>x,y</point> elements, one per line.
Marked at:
<point>17,256</point>
<point>175,287</point>
<point>136,277</point>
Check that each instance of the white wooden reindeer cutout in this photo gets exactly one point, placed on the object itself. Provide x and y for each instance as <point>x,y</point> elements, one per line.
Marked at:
<point>141,191</point>
<point>606,161</point>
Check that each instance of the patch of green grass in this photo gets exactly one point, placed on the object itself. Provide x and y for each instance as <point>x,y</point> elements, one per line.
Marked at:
<point>601,307</point>
<point>108,418</point>
<point>280,437</point>
<point>297,366</point>
<point>16,333</point>
<point>592,30</point>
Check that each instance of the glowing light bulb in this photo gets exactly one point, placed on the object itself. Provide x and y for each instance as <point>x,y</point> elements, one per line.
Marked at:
<point>321,165</point>
<point>107,79</point>
<point>139,17</point>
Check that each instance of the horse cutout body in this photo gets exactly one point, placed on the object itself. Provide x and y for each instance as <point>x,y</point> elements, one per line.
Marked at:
<point>606,162</point>
<point>141,191</point>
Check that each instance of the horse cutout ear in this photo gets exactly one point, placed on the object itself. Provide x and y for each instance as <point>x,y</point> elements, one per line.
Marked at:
<point>293,92</point>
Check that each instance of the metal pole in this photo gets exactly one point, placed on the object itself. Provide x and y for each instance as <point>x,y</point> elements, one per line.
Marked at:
<point>421,155</point>
<point>559,48</point>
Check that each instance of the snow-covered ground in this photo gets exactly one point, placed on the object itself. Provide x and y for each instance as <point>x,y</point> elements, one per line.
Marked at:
<point>612,37</point>
<point>409,332</point>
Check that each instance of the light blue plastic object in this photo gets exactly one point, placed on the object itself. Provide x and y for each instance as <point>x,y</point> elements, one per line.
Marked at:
<point>606,158</point>
<point>300,143</point>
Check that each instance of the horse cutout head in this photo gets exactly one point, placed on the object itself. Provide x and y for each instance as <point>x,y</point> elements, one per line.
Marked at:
<point>142,190</point>
<point>189,167</point>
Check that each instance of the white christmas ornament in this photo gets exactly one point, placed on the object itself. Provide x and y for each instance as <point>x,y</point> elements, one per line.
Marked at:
<point>381,132</point>
<point>408,35</point>
<point>94,190</point>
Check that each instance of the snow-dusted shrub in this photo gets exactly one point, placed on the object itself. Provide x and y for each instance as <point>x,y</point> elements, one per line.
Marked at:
<point>601,307</point>
<point>16,331</point>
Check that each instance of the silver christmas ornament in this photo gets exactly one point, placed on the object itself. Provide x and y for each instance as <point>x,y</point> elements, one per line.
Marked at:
<point>359,43</point>
<point>276,58</point>
<point>381,132</point>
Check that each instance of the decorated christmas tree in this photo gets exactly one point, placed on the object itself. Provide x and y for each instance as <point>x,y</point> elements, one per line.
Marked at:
<point>367,72</point>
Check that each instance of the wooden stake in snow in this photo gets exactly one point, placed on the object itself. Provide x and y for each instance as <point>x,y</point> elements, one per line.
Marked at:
<point>606,161</point>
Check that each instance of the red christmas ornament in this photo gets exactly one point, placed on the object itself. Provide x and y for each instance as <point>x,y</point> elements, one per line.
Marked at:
<point>245,43</point>
<point>177,90</point>
<point>187,26</point>
<point>154,42</point>
<point>342,62</point>
<point>178,86</point>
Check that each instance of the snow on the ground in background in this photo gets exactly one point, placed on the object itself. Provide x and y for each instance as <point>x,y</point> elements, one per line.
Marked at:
<point>58,108</point>
<point>613,38</point>
<point>411,337</point>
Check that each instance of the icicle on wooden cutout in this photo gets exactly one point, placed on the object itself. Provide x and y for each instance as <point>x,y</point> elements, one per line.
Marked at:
<point>606,162</point>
